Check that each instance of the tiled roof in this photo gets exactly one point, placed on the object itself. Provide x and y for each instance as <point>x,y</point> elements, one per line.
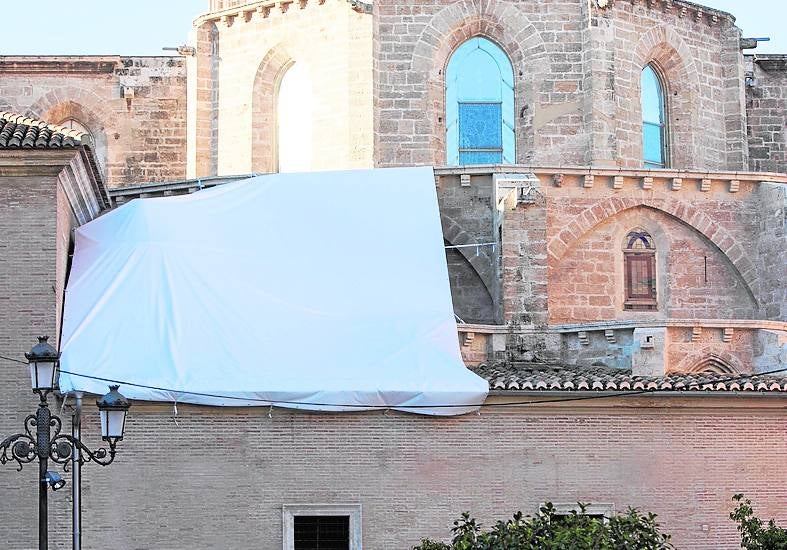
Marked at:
<point>20,132</point>
<point>546,377</point>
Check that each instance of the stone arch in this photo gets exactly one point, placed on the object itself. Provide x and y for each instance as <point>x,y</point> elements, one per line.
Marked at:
<point>713,363</point>
<point>83,106</point>
<point>482,263</point>
<point>507,26</point>
<point>692,217</point>
<point>263,111</point>
<point>668,53</point>
<point>706,361</point>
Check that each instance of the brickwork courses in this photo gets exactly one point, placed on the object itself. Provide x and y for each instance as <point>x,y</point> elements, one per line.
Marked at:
<point>219,478</point>
<point>33,246</point>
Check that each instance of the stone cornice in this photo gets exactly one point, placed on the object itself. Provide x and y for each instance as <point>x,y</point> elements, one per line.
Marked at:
<point>247,12</point>
<point>34,162</point>
<point>744,324</point>
<point>662,402</point>
<point>557,181</point>
<point>602,172</point>
<point>73,168</point>
<point>681,8</point>
<point>59,64</point>
<point>774,62</point>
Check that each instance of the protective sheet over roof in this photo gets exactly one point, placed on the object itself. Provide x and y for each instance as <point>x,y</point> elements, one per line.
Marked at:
<point>320,291</point>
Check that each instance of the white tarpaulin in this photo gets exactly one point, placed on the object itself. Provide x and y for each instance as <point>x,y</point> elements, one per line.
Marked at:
<point>321,291</point>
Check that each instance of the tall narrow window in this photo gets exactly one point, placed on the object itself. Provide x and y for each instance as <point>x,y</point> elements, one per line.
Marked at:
<point>294,120</point>
<point>479,94</point>
<point>639,258</point>
<point>654,119</point>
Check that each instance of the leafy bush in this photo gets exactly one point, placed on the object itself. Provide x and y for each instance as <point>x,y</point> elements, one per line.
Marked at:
<point>754,536</point>
<point>549,530</point>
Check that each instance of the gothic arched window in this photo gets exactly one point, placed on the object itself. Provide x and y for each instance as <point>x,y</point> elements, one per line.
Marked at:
<point>654,119</point>
<point>479,104</point>
<point>639,268</point>
<point>294,120</point>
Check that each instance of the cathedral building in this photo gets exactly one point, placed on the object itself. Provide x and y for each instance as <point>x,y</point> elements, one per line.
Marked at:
<point>612,180</point>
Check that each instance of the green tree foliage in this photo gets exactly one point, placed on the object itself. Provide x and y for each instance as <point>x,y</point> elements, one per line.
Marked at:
<point>755,535</point>
<point>549,530</point>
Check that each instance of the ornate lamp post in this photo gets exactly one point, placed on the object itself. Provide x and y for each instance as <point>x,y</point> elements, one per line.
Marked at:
<point>42,438</point>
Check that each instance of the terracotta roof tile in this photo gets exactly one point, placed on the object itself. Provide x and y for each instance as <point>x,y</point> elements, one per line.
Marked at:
<point>552,377</point>
<point>20,132</point>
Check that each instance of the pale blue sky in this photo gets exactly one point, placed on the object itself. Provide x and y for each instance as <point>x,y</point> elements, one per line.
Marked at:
<point>143,27</point>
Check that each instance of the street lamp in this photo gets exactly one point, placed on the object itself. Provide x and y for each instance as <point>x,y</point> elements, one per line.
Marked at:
<point>42,438</point>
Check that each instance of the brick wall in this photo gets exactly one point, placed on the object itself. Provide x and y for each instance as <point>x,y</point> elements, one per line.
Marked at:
<point>137,139</point>
<point>241,58</point>
<point>31,253</point>
<point>766,107</point>
<point>576,72</point>
<point>218,478</point>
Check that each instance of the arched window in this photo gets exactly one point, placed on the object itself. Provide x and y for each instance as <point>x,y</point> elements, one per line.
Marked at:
<point>294,120</point>
<point>639,259</point>
<point>479,104</point>
<point>96,142</point>
<point>654,119</point>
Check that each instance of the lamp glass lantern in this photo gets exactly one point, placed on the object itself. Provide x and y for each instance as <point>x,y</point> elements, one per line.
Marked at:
<point>113,408</point>
<point>43,365</point>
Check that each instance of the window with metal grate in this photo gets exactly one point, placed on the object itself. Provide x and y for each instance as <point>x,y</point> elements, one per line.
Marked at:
<point>322,532</point>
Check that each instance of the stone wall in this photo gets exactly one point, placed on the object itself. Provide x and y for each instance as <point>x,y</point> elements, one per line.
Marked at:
<point>693,278</point>
<point>697,52</point>
<point>243,52</point>
<point>576,72</point>
<point>134,107</point>
<point>219,478</point>
<point>766,109</point>
<point>467,217</point>
<point>772,240</point>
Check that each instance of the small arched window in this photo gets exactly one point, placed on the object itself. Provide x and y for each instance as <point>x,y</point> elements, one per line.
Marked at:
<point>639,259</point>
<point>294,120</point>
<point>654,119</point>
<point>479,94</point>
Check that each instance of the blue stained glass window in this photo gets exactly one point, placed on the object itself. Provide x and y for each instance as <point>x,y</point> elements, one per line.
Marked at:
<point>480,157</point>
<point>654,120</point>
<point>480,126</point>
<point>479,105</point>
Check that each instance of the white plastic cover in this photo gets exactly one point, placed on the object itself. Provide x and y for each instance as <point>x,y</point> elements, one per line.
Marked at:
<point>320,291</point>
